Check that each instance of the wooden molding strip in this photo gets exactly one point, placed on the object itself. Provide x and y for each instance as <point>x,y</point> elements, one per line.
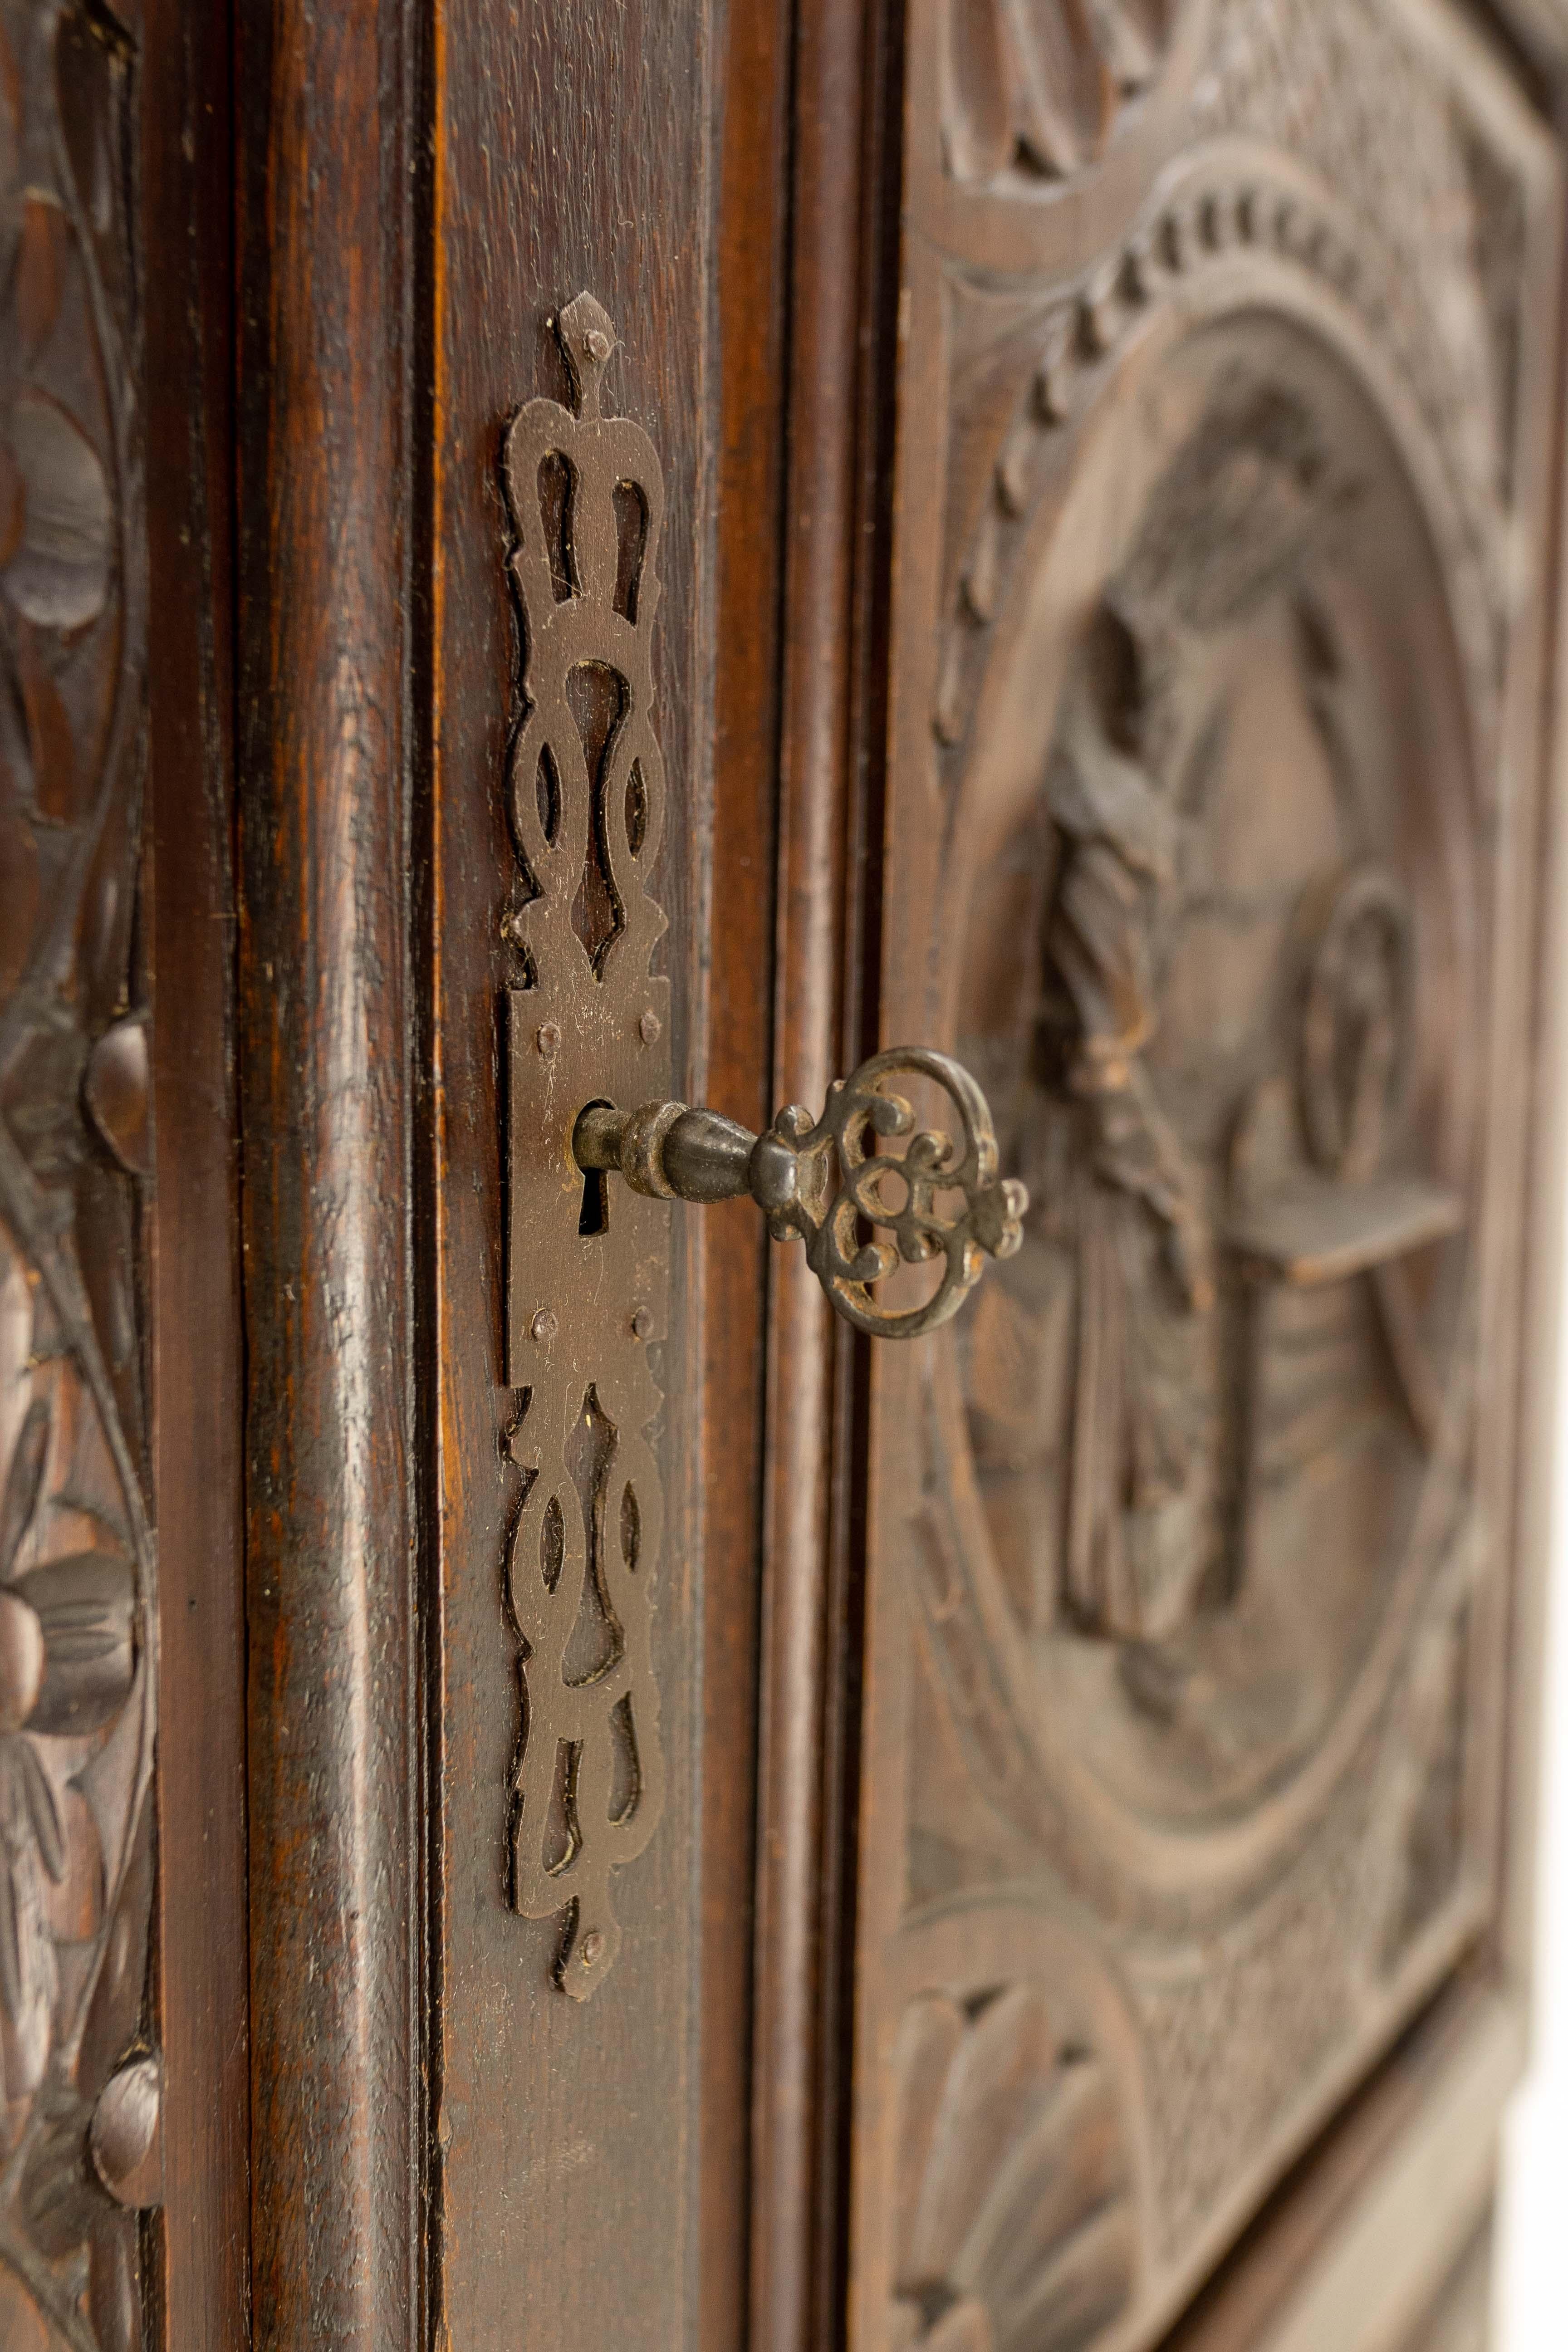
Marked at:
<point>327,1045</point>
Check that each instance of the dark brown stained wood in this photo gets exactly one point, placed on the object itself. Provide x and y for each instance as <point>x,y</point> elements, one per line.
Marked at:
<point>574,154</point>
<point>752,258</point>
<point>188,229</point>
<point>1083,1906</point>
<point>838,327</point>
<point>328,471</point>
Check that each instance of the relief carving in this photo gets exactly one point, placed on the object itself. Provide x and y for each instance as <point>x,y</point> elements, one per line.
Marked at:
<point>1176,1241</point>
<point>1228,1355</point>
<point>589,1273</point>
<point>1219,603</point>
<point>1015,2223</point>
<point>78,2074</point>
<point>1221,209</point>
<point>1442,209</point>
<point>1033,88</point>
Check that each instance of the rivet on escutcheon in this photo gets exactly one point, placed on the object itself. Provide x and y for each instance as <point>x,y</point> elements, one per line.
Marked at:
<point>543,1326</point>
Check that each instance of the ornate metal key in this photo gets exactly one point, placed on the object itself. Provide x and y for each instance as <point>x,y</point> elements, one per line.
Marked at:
<point>939,1199</point>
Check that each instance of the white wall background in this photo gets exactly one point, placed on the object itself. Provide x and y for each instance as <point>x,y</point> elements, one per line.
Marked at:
<point>1532,2275</point>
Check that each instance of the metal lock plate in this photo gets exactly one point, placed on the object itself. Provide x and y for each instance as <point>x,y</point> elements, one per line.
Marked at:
<point>588,1276</point>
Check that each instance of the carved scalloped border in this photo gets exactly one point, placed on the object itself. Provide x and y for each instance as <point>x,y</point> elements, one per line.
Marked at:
<point>1222,205</point>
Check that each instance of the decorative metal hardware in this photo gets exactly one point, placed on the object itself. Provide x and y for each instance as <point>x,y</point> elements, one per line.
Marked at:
<point>588,1281</point>
<point>667,1152</point>
<point>585,799</point>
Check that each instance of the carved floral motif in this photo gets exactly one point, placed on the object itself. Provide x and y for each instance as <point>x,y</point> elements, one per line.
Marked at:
<point>78,1620</point>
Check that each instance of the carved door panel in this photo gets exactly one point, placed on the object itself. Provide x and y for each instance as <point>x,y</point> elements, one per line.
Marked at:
<point>1226,384</point>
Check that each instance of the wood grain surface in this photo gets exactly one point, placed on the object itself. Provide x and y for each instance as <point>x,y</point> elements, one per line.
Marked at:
<point>574,152</point>
<point>1252,1333</point>
<point>845,176</point>
<point>909,300</point>
<point>188,235</point>
<point>750,270</point>
<point>329,1033</point>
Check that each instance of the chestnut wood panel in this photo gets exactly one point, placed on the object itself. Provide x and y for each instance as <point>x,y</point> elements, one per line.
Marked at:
<point>1156,351</point>
<point>575,151</point>
<point>1193,1554</point>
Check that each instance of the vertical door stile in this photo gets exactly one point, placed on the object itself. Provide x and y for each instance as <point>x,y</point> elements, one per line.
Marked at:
<point>575,172</point>
<point>329,1038</point>
<point>188,132</point>
<point>750,264</point>
<point>826,947</point>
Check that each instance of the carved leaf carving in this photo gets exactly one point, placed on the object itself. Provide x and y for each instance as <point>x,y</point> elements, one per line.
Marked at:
<point>1014,2221</point>
<point>1033,87</point>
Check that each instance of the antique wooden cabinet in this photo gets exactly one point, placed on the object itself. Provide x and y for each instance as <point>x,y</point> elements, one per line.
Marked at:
<point>560,564</point>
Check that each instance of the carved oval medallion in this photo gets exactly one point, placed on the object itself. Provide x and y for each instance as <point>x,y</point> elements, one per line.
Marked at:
<point>1220,782</point>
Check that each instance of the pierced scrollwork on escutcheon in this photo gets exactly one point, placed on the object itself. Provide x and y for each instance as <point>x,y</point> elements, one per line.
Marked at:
<point>588,1280</point>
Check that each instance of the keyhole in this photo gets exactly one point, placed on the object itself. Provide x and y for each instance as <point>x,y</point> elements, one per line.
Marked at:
<point>631,542</point>
<point>594,1217</point>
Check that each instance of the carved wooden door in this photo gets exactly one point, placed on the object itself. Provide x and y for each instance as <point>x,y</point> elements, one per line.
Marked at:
<point>1134,448</point>
<point>559,564</point>
<point>1227,399</point>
